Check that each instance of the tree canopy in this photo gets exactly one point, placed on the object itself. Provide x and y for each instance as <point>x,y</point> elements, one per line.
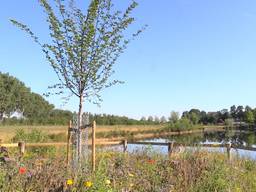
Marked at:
<point>84,46</point>
<point>16,97</point>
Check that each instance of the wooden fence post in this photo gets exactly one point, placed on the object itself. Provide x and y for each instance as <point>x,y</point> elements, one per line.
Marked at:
<point>21,146</point>
<point>228,151</point>
<point>125,145</point>
<point>68,141</point>
<point>170,148</point>
<point>93,145</point>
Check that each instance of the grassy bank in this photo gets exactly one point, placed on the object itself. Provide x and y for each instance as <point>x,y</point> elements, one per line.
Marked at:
<point>117,132</point>
<point>137,172</point>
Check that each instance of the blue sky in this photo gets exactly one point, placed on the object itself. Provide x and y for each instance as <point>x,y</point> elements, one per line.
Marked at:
<point>194,54</point>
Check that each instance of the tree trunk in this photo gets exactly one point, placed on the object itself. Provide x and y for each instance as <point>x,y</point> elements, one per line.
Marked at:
<point>1,116</point>
<point>79,123</point>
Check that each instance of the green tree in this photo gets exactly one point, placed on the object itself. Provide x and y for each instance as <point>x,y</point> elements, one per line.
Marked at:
<point>156,119</point>
<point>233,111</point>
<point>84,46</point>
<point>143,119</point>
<point>13,95</point>
<point>194,118</point>
<point>224,114</point>
<point>249,117</point>
<point>150,119</point>
<point>16,97</point>
<point>37,108</point>
<point>163,119</point>
<point>240,112</point>
<point>174,117</point>
<point>183,124</point>
<point>229,123</point>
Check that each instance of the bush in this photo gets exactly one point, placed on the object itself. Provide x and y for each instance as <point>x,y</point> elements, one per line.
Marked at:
<point>34,136</point>
<point>183,124</point>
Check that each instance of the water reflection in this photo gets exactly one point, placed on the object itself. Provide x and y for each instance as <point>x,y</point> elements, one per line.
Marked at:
<point>238,138</point>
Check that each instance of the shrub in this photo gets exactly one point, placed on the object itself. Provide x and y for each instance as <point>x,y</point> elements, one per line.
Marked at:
<point>183,124</point>
<point>34,136</point>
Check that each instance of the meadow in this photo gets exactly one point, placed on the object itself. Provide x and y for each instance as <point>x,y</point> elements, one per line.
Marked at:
<point>144,171</point>
<point>9,131</point>
<point>46,168</point>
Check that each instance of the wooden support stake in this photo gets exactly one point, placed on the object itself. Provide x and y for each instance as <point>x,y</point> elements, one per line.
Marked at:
<point>228,151</point>
<point>68,141</point>
<point>22,148</point>
<point>93,145</point>
<point>170,148</point>
<point>125,145</point>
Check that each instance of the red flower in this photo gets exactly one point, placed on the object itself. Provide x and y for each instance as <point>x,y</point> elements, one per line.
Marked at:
<point>22,170</point>
<point>151,161</point>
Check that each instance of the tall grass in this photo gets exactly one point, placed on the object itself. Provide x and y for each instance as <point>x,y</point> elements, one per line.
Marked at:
<point>143,171</point>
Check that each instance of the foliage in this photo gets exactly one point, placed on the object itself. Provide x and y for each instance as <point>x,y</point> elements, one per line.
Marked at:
<point>34,136</point>
<point>16,97</point>
<point>174,117</point>
<point>229,123</point>
<point>84,47</point>
<point>243,116</point>
<point>52,117</point>
<point>61,117</point>
<point>183,124</point>
<point>216,178</point>
<point>33,109</point>
<point>249,117</point>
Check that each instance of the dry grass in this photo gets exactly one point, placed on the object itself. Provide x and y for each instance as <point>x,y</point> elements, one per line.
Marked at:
<point>7,132</point>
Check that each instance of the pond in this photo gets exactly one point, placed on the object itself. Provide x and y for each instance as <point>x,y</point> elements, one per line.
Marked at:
<point>238,138</point>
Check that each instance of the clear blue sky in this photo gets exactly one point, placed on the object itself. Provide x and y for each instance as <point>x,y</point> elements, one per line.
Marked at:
<point>194,54</point>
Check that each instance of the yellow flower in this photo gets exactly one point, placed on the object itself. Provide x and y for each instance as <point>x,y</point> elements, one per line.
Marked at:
<point>131,175</point>
<point>107,182</point>
<point>88,184</point>
<point>70,182</point>
<point>131,185</point>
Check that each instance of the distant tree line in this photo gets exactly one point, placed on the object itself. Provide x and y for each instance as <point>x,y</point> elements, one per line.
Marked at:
<point>19,105</point>
<point>31,108</point>
<point>239,114</point>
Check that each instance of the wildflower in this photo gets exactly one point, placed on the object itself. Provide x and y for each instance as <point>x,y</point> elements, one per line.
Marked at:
<point>22,170</point>
<point>107,182</point>
<point>70,182</point>
<point>131,185</point>
<point>131,175</point>
<point>88,184</point>
<point>151,161</point>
